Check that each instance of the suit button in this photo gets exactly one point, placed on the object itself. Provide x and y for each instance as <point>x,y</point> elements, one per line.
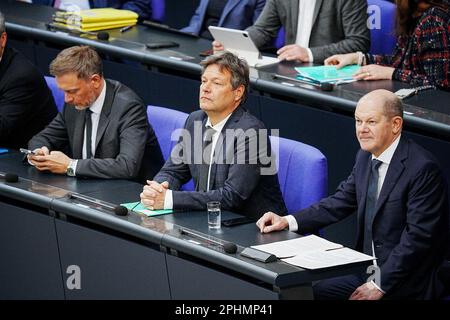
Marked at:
<point>378,246</point>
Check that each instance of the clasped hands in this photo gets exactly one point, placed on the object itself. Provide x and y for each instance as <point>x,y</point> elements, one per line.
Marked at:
<point>55,161</point>
<point>153,195</point>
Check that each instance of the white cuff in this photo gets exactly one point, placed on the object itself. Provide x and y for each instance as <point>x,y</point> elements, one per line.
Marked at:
<point>168,200</point>
<point>310,55</point>
<point>293,226</point>
<point>73,165</point>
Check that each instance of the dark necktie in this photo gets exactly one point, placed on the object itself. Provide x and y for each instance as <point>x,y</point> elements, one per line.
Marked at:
<point>371,202</point>
<point>204,167</point>
<point>88,124</point>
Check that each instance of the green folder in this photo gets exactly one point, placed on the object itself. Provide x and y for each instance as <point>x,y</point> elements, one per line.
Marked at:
<point>328,73</point>
<point>139,207</point>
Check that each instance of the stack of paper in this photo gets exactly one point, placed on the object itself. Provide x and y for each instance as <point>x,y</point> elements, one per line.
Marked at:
<point>330,74</point>
<point>312,252</point>
<point>95,19</point>
<point>139,208</point>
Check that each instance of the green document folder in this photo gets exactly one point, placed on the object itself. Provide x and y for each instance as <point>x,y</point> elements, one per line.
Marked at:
<point>139,207</point>
<point>328,73</point>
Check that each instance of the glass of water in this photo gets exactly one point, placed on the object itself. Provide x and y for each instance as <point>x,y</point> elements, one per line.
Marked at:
<point>214,215</point>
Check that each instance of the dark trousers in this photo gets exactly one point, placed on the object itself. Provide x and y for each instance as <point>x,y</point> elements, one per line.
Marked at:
<point>339,288</point>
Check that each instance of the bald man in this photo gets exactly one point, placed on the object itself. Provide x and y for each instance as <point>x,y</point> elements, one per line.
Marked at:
<point>400,197</point>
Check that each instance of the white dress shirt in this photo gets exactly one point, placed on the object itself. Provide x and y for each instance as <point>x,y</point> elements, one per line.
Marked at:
<point>71,4</point>
<point>96,109</point>
<point>168,200</point>
<point>305,24</point>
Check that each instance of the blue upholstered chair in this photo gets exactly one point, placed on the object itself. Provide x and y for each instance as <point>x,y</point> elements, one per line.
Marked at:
<point>279,41</point>
<point>57,93</point>
<point>165,121</point>
<point>158,10</point>
<point>302,173</point>
<point>383,40</point>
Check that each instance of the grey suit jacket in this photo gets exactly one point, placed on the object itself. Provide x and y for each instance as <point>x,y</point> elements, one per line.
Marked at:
<point>239,187</point>
<point>339,26</point>
<point>123,136</point>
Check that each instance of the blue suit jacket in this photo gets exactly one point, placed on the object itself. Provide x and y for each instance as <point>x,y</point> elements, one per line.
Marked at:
<point>239,187</point>
<point>411,223</point>
<point>237,14</point>
<point>141,7</point>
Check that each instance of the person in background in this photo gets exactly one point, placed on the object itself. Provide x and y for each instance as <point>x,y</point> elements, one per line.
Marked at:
<point>400,196</point>
<point>142,7</point>
<point>233,14</point>
<point>422,54</point>
<point>314,29</point>
<point>26,103</point>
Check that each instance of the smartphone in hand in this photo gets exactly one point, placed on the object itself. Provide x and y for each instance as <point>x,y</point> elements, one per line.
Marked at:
<point>27,152</point>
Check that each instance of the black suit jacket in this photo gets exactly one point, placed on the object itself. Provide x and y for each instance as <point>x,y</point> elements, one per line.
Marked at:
<point>26,103</point>
<point>239,187</point>
<point>124,137</point>
<point>411,222</point>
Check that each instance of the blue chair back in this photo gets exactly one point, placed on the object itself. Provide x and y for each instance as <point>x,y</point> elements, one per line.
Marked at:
<point>158,10</point>
<point>58,94</point>
<point>302,173</point>
<point>383,39</point>
<point>164,122</point>
<point>279,41</point>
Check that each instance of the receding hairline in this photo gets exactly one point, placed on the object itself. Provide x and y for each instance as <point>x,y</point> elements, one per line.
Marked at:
<point>391,105</point>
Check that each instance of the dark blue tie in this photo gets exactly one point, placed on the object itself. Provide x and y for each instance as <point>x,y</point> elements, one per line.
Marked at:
<point>204,167</point>
<point>371,202</point>
<point>88,124</point>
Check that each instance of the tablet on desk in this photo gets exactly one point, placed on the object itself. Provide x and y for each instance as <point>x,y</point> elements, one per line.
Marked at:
<point>240,43</point>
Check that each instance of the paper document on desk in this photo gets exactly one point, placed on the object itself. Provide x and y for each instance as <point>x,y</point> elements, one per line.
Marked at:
<point>313,252</point>
<point>139,207</point>
<point>327,258</point>
<point>290,248</point>
<point>328,73</point>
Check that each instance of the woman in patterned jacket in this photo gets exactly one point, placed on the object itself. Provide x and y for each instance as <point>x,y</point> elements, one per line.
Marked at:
<point>422,54</point>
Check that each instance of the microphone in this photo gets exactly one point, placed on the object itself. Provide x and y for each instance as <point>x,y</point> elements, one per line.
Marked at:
<point>118,210</point>
<point>228,247</point>
<point>324,86</point>
<point>102,35</point>
<point>10,177</point>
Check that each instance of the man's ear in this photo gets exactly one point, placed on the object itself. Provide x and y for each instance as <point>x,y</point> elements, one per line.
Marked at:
<point>96,80</point>
<point>239,93</point>
<point>397,124</point>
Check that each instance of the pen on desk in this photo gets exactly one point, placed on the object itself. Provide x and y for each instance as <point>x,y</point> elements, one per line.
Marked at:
<point>126,28</point>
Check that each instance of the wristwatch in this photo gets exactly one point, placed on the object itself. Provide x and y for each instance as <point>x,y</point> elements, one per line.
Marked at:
<point>70,171</point>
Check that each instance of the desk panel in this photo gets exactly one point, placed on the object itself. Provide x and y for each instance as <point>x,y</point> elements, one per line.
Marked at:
<point>29,259</point>
<point>111,267</point>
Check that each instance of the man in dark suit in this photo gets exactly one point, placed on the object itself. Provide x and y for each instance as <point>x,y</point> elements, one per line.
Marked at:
<point>400,196</point>
<point>103,126</point>
<point>26,103</point>
<point>233,14</point>
<point>220,148</point>
<point>314,30</point>
<point>141,7</point>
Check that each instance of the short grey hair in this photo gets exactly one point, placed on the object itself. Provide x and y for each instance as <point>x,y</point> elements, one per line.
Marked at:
<point>393,107</point>
<point>240,74</point>
<point>2,23</point>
